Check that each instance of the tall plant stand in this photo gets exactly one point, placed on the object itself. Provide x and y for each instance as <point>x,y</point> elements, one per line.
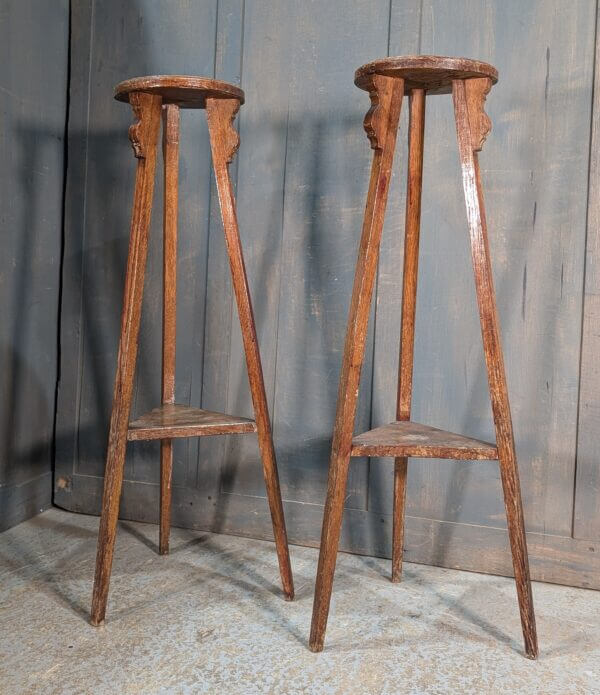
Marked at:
<point>388,81</point>
<point>151,97</point>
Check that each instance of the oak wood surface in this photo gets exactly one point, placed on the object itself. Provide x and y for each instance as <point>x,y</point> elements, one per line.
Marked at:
<point>144,137</point>
<point>416,134</point>
<point>381,126</point>
<point>586,514</point>
<point>432,73</point>
<point>171,420</point>
<point>404,438</point>
<point>224,142</point>
<point>542,110</point>
<point>174,420</point>
<point>170,211</point>
<point>468,144</point>
<point>396,439</point>
<point>186,91</point>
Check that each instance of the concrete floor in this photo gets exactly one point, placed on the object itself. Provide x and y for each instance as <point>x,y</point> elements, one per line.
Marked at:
<point>209,618</point>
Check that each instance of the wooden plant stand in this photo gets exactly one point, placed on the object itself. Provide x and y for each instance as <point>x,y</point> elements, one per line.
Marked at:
<point>150,97</point>
<point>387,81</point>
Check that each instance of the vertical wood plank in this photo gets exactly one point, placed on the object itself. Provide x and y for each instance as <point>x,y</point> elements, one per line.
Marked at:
<point>144,138</point>
<point>404,37</point>
<point>67,415</point>
<point>586,518</point>
<point>34,60</point>
<point>224,143</point>
<point>212,392</point>
<point>170,152</point>
<point>326,180</point>
<point>260,179</point>
<point>137,36</point>
<point>468,97</point>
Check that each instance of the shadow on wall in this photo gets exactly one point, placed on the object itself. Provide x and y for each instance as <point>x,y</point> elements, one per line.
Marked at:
<point>323,265</point>
<point>30,282</point>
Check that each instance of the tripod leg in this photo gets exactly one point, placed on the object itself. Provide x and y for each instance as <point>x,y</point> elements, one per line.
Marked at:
<point>472,126</point>
<point>409,302</point>
<point>224,142</point>
<point>171,194</point>
<point>381,124</point>
<point>144,136</point>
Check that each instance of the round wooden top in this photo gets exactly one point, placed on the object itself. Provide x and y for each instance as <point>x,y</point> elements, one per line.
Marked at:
<point>187,91</point>
<point>433,73</point>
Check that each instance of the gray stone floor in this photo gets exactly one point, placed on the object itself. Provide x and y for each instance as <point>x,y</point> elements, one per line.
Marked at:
<point>209,618</point>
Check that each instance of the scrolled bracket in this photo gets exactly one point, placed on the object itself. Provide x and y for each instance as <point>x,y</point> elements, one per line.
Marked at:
<point>480,125</point>
<point>374,119</point>
<point>221,114</point>
<point>381,90</point>
<point>136,130</point>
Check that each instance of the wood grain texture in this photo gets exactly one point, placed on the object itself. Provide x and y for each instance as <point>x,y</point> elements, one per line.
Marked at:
<point>169,328</point>
<point>224,142</point>
<point>412,228</point>
<point>480,125</point>
<point>96,237</point>
<point>260,177</point>
<point>147,109</point>
<point>586,516</point>
<point>207,461</point>
<point>531,187</point>
<point>432,73</point>
<point>381,126</point>
<point>185,91</point>
<point>313,217</point>
<point>170,420</point>
<point>468,142</point>
<point>402,439</point>
<point>174,420</point>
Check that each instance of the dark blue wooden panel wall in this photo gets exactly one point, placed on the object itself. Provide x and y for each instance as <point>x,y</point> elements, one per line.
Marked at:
<point>301,174</point>
<point>34,42</point>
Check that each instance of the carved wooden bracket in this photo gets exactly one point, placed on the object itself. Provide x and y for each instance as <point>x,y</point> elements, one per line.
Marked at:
<point>476,90</point>
<point>146,108</point>
<point>220,114</point>
<point>374,122</point>
<point>376,119</point>
<point>136,129</point>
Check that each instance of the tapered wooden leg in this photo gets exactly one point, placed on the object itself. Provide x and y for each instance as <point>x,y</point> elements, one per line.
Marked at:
<point>170,180</point>
<point>472,126</point>
<point>381,124</point>
<point>409,303</point>
<point>144,136</point>
<point>224,143</point>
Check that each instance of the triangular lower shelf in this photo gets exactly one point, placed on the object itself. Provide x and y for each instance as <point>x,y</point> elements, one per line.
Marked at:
<point>174,420</point>
<point>420,441</point>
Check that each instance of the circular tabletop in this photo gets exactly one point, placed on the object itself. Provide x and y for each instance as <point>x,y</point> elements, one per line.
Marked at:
<point>186,91</point>
<point>432,73</point>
